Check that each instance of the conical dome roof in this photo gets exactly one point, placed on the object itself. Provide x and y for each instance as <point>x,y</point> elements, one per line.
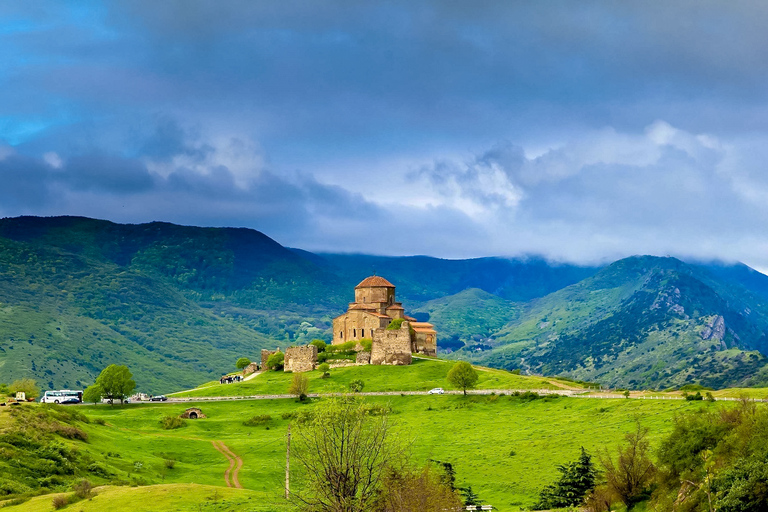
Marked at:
<point>374,282</point>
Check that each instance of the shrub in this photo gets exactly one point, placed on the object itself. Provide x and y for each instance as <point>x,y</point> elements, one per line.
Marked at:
<point>255,421</point>
<point>170,463</point>
<point>299,386</point>
<point>98,470</point>
<point>28,386</point>
<point>367,343</point>
<point>287,415</point>
<point>171,422</point>
<point>275,361</point>
<point>320,344</point>
<point>60,501</point>
<point>696,396</point>
<point>325,369</point>
<point>341,347</point>
<point>356,386</point>
<point>83,489</point>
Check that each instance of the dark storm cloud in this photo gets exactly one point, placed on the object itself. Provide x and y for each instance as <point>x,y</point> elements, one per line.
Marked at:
<point>632,127</point>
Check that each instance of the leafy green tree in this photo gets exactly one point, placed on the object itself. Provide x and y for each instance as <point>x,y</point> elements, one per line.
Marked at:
<point>463,376</point>
<point>320,344</point>
<point>325,368</point>
<point>299,386</point>
<point>412,489</point>
<point>576,480</point>
<point>116,382</point>
<point>275,361</point>
<point>356,385</point>
<point>28,386</point>
<point>743,487</point>
<point>242,363</point>
<point>4,390</point>
<point>93,394</point>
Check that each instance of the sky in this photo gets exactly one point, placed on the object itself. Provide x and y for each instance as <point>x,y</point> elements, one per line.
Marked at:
<point>578,131</point>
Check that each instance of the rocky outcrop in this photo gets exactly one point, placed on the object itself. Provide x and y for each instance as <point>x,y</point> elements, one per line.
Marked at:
<point>715,330</point>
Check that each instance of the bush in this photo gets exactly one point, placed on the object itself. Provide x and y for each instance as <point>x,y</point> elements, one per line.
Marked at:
<point>275,361</point>
<point>83,489</point>
<point>60,501</point>
<point>299,386</point>
<point>696,396</point>
<point>325,368</point>
<point>342,347</point>
<point>171,422</point>
<point>356,386</point>
<point>255,421</point>
<point>367,343</point>
<point>170,463</point>
<point>287,415</point>
<point>320,344</point>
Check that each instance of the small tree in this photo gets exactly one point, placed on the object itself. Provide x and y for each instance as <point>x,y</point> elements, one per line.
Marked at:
<point>578,478</point>
<point>463,376</point>
<point>631,475</point>
<point>325,368</point>
<point>27,386</point>
<point>320,344</point>
<point>299,386</point>
<point>275,361</point>
<point>342,455</point>
<point>116,382</point>
<point>356,385</point>
<point>93,394</point>
<point>242,363</point>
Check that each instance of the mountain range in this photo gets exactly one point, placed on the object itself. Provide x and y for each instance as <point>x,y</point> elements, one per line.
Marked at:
<point>180,304</point>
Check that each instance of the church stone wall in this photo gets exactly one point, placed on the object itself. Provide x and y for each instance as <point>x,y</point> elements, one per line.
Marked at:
<point>392,346</point>
<point>300,359</point>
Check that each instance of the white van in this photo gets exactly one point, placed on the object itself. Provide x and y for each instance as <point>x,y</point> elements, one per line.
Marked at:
<point>64,396</point>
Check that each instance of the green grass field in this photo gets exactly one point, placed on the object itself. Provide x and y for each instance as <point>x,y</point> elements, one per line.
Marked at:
<point>422,375</point>
<point>504,447</point>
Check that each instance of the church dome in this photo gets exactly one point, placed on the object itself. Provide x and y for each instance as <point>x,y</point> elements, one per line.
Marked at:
<point>374,282</point>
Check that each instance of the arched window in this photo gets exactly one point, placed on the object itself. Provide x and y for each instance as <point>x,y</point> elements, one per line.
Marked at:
<point>341,335</point>
<point>362,333</point>
<point>354,333</point>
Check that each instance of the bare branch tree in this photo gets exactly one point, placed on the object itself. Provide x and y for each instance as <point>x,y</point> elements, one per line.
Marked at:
<point>342,451</point>
<point>633,471</point>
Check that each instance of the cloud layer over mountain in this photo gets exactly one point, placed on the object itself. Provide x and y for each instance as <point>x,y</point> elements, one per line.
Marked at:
<point>580,131</point>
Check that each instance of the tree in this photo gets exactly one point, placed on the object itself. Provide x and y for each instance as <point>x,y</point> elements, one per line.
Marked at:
<point>116,382</point>
<point>28,386</point>
<point>578,478</point>
<point>630,476</point>
<point>320,344</point>
<point>325,368</point>
<point>463,376</point>
<point>93,394</point>
<point>275,361</point>
<point>343,454</point>
<point>242,363</point>
<point>299,386</point>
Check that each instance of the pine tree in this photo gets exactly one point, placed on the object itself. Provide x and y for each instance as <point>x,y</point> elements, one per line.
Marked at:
<point>578,478</point>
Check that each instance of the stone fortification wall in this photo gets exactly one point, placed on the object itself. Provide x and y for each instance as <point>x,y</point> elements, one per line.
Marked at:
<point>363,357</point>
<point>300,359</point>
<point>392,346</point>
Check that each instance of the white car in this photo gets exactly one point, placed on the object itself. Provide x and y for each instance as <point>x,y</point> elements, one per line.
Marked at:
<point>436,391</point>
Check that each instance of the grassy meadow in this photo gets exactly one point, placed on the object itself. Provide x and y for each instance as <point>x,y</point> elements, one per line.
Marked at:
<point>424,374</point>
<point>505,447</point>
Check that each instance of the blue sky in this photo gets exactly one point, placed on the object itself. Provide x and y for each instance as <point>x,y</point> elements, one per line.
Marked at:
<point>581,131</point>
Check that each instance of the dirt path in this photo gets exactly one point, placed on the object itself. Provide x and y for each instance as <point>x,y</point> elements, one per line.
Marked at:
<point>230,477</point>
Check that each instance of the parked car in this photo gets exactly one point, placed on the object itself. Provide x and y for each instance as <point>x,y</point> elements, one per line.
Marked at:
<point>158,398</point>
<point>436,391</point>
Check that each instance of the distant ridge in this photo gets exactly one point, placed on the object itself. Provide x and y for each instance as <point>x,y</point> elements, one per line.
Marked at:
<point>179,304</point>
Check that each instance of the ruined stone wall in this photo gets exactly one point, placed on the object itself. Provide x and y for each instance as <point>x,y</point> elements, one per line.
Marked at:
<point>392,346</point>
<point>300,359</point>
<point>363,357</point>
<point>425,344</point>
<point>251,368</point>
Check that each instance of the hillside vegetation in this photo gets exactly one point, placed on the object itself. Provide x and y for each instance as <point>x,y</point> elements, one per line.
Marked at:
<point>179,305</point>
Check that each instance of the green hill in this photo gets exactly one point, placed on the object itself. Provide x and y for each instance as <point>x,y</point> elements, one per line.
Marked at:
<point>641,322</point>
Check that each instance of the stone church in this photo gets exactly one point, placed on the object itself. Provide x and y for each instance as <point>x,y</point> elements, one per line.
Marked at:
<point>368,317</point>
